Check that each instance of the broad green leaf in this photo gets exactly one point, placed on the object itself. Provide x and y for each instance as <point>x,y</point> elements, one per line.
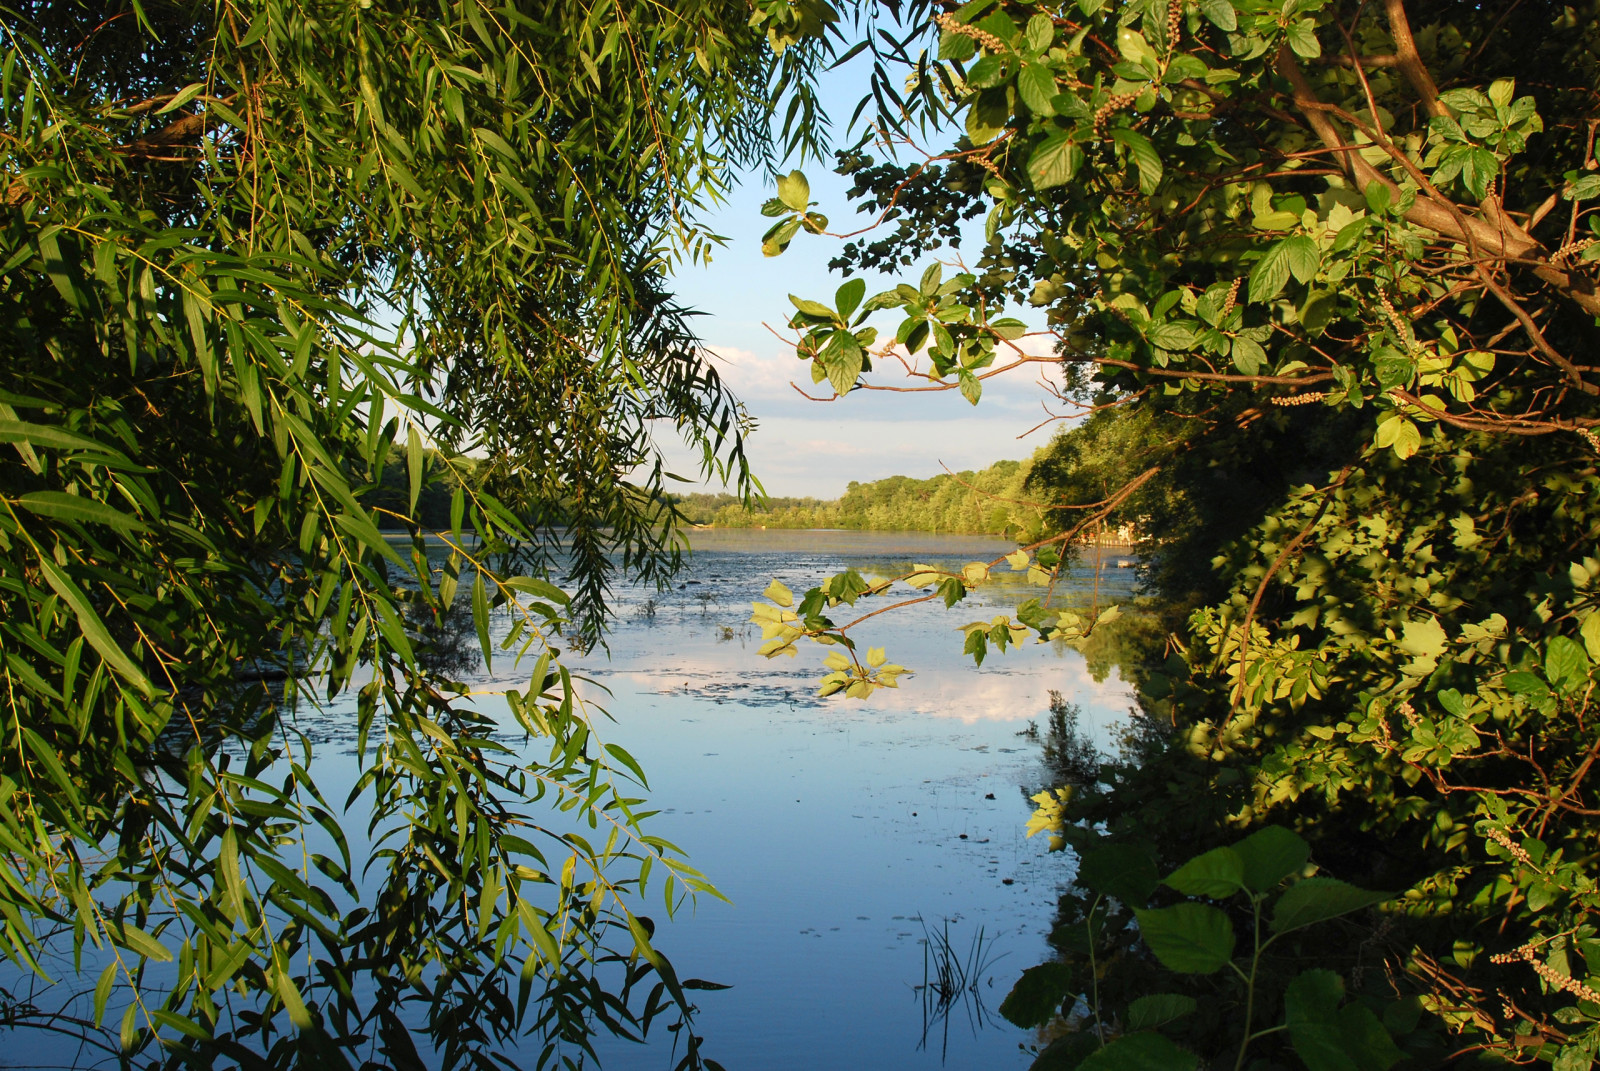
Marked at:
<point>1303,256</point>
<point>1566,665</point>
<point>1316,900</point>
<point>1302,37</point>
<point>848,298</point>
<point>1144,156</point>
<point>1141,1052</point>
<point>1158,1009</point>
<point>1054,161</point>
<point>1125,871</point>
<point>1425,638</point>
<point>1038,995</point>
<point>1270,274</point>
<point>1590,631</point>
<point>1171,335</point>
<point>1217,874</point>
<point>1188,938</point>
<point>1037,85</point>
<point>794,191</point>
<point>1271,854</point>
<point>1221,14</point>
<point>812,308</point>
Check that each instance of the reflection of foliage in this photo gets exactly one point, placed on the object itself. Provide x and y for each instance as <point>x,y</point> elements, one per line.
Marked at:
<point>446,640</point>
<point>1069,756</point>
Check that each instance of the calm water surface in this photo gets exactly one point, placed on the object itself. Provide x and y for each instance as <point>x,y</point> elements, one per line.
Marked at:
<point>839,829</point>
<point>842,831</point>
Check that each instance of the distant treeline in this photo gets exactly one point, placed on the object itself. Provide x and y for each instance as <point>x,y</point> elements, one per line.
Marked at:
<point>991,502</point>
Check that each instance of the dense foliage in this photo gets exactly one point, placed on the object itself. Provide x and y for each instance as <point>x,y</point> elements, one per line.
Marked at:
<point>1326,271</point>
<point>991,502</point>
<point>255,258</point>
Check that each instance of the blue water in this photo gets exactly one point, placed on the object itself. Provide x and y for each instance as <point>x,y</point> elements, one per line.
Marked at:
<point>842,831</point>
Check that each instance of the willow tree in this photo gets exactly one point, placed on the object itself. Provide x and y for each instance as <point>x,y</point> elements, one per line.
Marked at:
<point>1335,265</point>
<point>250,254</point>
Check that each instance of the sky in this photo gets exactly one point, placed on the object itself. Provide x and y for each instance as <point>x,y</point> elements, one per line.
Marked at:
<point>808,448</point>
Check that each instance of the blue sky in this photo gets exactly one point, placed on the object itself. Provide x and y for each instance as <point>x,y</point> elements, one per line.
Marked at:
<point>816,448</point>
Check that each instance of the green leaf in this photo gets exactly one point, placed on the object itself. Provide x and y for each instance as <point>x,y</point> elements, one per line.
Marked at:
<point>1188,938</point>
<point>1037,85</point>
<point>182,97</point>
<point>1590,631</point>
<point>1425,638</point>
<point>1314,900</point>
<point>1566,665</point>
<point>1302,37</point>
<point>1054,161</point>
<point>143,944</point>
<point>1125,871</point>
<point>1171,335</point>
<point>1158,1009</point>
<point>1248,356</point>
<point>413,466</point>
<point>480,616</point>
<point>64,507</point>
<point>848,297</point>
<point>1271,854</point>
<point>779,593</point>
<point>1303,256</point>
<point>1218,873</point>
<point>539,588</point>
<point>1330,1038</point>
<point>93,628</point>
<point>1141,1052</point>
<point>1221,14</point>
<point>812,308</point>
<point>1038,995</point>
<point>1040,32</point>
<point>1144,156</point>
<point>843,359</point>
<point>794,191</point>
<point>1269,274</point>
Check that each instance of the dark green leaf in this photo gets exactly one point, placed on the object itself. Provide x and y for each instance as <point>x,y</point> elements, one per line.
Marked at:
<point>1125,871</point>
<point>1141,1052</point>
<point>1158,1009</point>
<point>1319,899</point>
<point>1188,938</point>
<point>1218,874</point>
<point>1271,854</point>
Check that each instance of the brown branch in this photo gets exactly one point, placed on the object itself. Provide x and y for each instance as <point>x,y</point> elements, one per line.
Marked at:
<point>1432,211</point>
<point>1410,63</point>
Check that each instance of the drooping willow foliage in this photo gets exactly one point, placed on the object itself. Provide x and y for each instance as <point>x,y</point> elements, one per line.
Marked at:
<point>251,254</point>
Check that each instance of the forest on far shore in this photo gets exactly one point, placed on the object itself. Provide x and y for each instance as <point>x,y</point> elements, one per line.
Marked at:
<point>995,501</point>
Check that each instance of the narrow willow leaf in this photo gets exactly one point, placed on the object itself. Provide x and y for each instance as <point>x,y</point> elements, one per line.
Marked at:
<point>94,629</point>
<point>65,507</point>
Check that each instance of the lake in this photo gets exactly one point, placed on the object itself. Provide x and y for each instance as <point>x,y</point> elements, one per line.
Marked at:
<point>845,833</point>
